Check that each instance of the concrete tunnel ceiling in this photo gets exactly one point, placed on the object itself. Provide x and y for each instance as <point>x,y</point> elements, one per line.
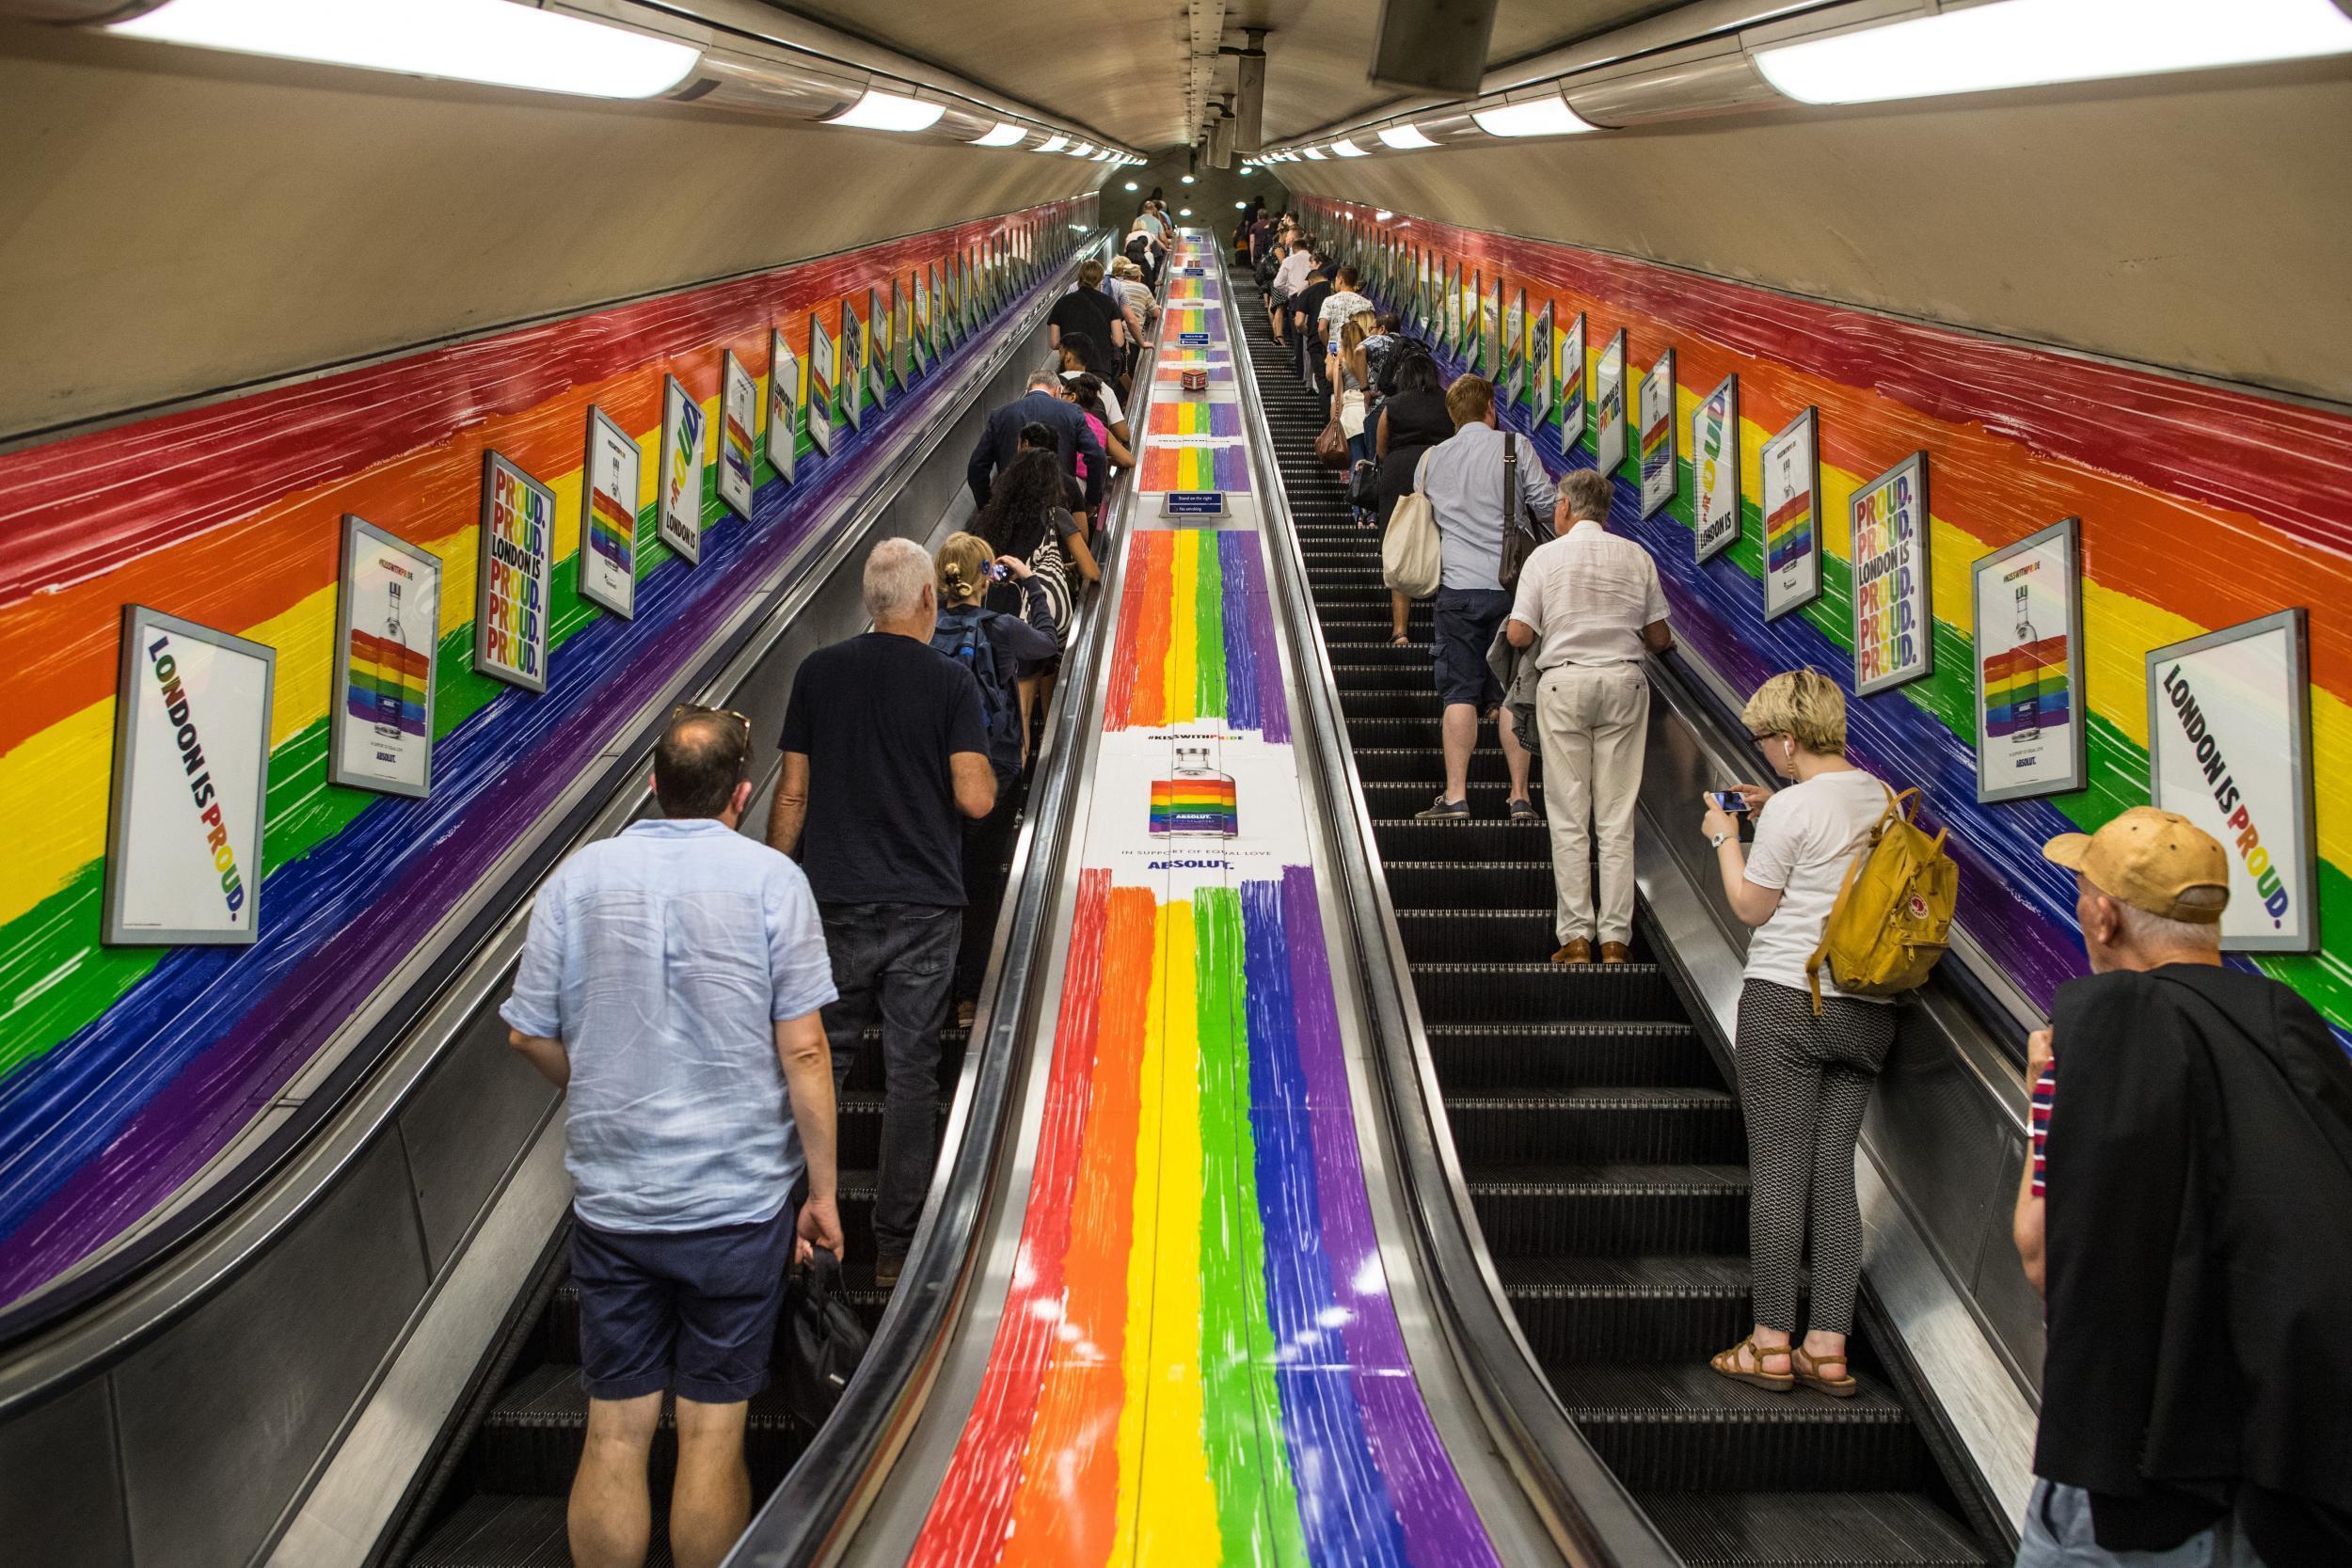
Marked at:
<point>1128,73</point>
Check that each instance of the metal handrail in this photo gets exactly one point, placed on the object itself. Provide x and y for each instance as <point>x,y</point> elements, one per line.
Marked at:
<point>1595,1521</point>
<point>810,1512</point>
<point>71,1333</point>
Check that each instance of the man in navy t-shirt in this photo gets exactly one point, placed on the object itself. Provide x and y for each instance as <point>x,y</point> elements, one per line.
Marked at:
<point>885,752</point>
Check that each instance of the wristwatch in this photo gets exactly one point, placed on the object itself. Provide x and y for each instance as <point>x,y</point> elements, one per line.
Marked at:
<point>1717,840</point>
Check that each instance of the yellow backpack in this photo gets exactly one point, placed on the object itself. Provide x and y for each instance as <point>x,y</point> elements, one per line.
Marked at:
<point>1893,917</point>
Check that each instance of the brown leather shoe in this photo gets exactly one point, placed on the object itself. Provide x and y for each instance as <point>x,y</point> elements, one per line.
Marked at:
<point>1578,952</point>
<point>1616,952</point>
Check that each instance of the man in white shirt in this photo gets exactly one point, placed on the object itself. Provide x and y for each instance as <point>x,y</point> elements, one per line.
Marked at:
<point>1289,279</point>
<point>1589,605</point>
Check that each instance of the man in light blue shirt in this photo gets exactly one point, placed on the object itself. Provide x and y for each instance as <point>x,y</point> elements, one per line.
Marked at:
<point>671,983</point>
<point>1463,477</point>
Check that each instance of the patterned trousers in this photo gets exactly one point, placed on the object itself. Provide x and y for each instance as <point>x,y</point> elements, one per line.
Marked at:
<point>1803,1084</point>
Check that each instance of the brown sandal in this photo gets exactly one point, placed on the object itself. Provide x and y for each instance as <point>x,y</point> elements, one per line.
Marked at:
<point>1809,1373</point>
<point>1728,1364</point>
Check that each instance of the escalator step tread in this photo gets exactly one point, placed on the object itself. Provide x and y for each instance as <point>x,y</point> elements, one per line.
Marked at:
<point>1817,1530</point>
<point>1616,1180</point>
<point>1646,1275</point>
<point>1691,1391</point>
<point>488,1530</point>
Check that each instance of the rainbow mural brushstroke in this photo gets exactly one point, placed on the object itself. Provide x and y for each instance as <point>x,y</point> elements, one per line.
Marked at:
<point>1195,636</point>
<point>1194,805</point>
<point>2026,688</point>
<point>2201,506</point>
<point>124,1072</point>
<point>387,683</point>
<point>1790,531</point>
<point>1196,468</point>
<point>1195,418</point>
<point>1198,1229</point>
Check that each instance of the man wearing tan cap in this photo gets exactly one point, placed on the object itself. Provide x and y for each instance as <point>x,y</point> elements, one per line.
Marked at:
<point>2194,1244</point>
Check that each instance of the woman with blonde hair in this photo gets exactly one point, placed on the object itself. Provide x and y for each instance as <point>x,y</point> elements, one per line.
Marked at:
<point>1804,1077</point>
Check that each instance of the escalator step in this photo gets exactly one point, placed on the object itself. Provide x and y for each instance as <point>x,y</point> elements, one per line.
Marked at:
<point>1416,703</point>
<point>1610,1211</point>
<point>1493,838</point>
<point>1520,993</point>
<point>1380,653</point>
<point>1647,1308</point>
<point>530,1442</point>
<point>1475,1056</point>
<point>1676,1426</point>
<point>1612,1126</point>
<point>492,1531</point>
<point>858,1117</point>
<point>1395,801</point>
<point>1475,936</point>
<point>1425,764</point>
<point>1467,884</point>
<point>1811,1529</point>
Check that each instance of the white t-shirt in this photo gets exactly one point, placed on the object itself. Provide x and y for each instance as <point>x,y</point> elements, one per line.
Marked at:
<point>1338,307</point>
<point>1110,399</point>
<point>1290,276</point>
<point>1805,838</point>
<point>1587,595</point>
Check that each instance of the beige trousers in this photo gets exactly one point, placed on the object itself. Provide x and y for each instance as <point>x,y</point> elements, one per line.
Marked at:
<point>1594,723</point>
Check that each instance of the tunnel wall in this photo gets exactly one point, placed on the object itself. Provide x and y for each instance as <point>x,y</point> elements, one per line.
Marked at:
<point>2201,506</point>
<point>124,1069</point>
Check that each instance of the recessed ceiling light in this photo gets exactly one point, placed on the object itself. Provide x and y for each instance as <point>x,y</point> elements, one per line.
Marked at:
<point>1346,148</point>
<point>1403,136</point>
<point>1006,135</point>
<point>488,42</point>
<point>1051,144</point>
<point>889,111</point>
<point>1536,117</point>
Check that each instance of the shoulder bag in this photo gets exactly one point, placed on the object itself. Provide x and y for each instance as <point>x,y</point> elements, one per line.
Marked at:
<point>1410,562</point>
<point>1518,540</point>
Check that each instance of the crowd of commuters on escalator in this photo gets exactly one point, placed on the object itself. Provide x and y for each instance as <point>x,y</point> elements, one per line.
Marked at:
<point>1042,407</point>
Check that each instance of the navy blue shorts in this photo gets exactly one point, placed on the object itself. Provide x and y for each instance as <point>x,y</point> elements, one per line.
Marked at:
<point>1467,620</point>
<point>689,1310</point>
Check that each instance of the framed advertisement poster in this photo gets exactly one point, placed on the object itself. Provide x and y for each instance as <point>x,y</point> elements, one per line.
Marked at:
<point>1478,340</point>
<point>1572,385</point>
<point>1791,473</point>
<point>878,333</point>
<point>515,576</point>
<point>608,483</point>
<point>1659,478</point>
<point>2027,602</point>
<point>1609,410</point>
<point>784,406</point>
<point>1893,635</point>
<point>848,381</point>
<point>191,785</point>
<point>388,628</point>
<point>821,374</point>
<point>1539,359</point>
<point>1491,329</point>
<point>739,426</point>
<point>902,361</point>
<point>2230,748</point>
<point>974,312</point>
<point>1453,301</point>
<point>1715,471</point>
<point>678,503</point>
<point>942,316</point>
<point>919,346</point>
<point>1515,350</point>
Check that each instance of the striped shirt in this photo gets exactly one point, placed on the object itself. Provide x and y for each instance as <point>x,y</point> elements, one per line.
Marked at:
<point>2044,1090</point>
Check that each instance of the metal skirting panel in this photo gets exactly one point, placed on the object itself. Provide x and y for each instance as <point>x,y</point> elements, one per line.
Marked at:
<point>59,1482</point>
<point>462,1127</point>
<point>224,1418</point>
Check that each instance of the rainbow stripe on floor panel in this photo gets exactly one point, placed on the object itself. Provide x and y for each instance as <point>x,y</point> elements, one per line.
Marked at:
<point>1195,418</point>
<point>1198,1363</point>
<point>1195,636</point>
<point>1167,467</point>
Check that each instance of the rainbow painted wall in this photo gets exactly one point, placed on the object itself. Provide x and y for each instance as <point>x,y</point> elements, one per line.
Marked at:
<point>2201,507</point>
<point>123,1071</point>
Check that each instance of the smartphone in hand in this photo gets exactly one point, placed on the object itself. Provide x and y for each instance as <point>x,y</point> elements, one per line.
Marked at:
<point>1728,800</point>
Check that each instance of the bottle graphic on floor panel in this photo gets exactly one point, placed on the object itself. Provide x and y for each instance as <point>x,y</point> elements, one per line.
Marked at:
<point>1196,799</point>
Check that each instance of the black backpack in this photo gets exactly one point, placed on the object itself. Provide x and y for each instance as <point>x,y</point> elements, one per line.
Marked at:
<point>1407,349</point>
<point>962,636</point>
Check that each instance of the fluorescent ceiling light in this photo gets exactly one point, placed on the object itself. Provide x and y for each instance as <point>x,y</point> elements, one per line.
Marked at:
<point>1184,212</point>
<point>1315,153</point>
<point>2020,43</point>
<point>1132,187</point>
<point>465,40</point>
<point>889,111</point>
<point>1401,137</point>
<point>1346,148</point>
<point>1052,144</point>
<point>1183,179</point>
<point>1080,150</point>
<point>1006,135</point>
<point>1537,117</point>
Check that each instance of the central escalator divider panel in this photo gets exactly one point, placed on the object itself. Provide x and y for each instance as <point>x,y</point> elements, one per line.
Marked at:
<point>1604,1154</point>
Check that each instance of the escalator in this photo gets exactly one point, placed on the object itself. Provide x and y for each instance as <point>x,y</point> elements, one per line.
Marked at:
<point>502,1505</point>
<point>1591,1115</point>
